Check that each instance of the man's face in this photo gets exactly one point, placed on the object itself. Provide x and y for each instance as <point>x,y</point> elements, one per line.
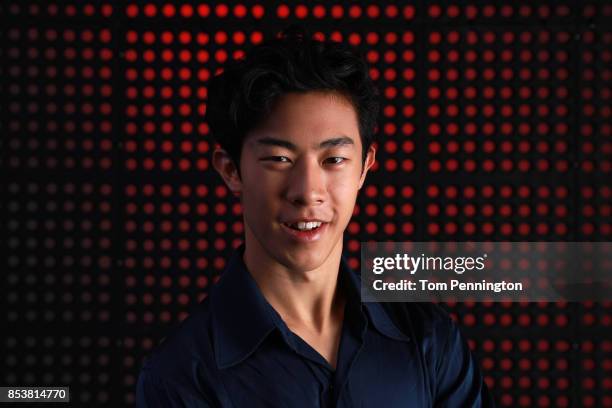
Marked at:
<point>303,164</point>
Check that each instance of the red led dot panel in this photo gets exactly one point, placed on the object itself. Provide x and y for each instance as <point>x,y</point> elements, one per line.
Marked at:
<point>494,125</point>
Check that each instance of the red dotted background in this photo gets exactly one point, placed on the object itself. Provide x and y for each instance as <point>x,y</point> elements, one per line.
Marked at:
<point>495,125</point>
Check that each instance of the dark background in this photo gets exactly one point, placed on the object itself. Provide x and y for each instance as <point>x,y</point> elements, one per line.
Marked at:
<point>495,126</point>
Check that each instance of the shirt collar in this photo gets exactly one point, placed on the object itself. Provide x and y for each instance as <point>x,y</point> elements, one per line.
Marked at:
<point>242,317</point>
<point>377,314</point>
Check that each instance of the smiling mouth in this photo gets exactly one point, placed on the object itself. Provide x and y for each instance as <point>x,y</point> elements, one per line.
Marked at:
<point>308,232</point>
<point>305,226</point>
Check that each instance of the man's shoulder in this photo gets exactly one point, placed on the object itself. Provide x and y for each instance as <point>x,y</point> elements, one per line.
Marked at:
<point>187,345</point>
<point>181,370</point>
<point>420,320</point>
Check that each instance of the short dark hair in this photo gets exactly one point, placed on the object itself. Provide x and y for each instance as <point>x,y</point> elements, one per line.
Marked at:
<point>243,94</point>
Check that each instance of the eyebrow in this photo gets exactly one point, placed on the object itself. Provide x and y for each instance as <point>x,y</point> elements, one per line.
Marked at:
<point>336,141</point>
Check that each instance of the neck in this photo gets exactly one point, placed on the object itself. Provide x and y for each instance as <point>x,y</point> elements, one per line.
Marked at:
<point>304,298</point>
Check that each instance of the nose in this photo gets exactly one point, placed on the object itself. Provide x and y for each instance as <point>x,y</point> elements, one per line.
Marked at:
<point>306,183</point>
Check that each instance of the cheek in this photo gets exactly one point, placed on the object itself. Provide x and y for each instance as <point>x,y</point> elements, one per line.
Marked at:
<point>344,195</point>
<point>253,200</point>
<point>346,181</point>
<point>259,194</point>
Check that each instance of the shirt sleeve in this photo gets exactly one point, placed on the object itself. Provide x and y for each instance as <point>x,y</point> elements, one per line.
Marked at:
<point>459,382</point>
<point>154,392</point>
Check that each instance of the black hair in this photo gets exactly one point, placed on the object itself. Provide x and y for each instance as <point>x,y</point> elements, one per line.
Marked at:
<point>243,94</point>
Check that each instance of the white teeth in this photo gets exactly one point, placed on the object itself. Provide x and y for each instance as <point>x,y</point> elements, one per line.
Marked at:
<point>307,225</point>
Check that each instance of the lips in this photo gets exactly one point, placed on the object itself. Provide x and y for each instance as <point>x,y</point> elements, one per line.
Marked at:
<point>306,235</point>
<point>304,222</point>
<point>304,225</point>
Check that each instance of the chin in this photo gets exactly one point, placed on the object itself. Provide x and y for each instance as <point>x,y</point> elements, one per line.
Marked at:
<point>302,258</point>
<point>291,254</point>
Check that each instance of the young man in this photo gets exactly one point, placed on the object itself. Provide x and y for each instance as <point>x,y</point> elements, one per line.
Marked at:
<point>285,326</point>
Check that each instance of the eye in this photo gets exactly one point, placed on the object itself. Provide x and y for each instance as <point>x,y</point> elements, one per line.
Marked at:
<point>336,160</point>
<point>278,159</point>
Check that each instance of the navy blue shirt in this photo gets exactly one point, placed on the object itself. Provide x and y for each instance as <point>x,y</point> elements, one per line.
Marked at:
<point>234,350</point>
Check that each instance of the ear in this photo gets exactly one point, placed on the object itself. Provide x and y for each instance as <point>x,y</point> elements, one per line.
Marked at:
<point>225,166</point>
<point>369,162</point>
